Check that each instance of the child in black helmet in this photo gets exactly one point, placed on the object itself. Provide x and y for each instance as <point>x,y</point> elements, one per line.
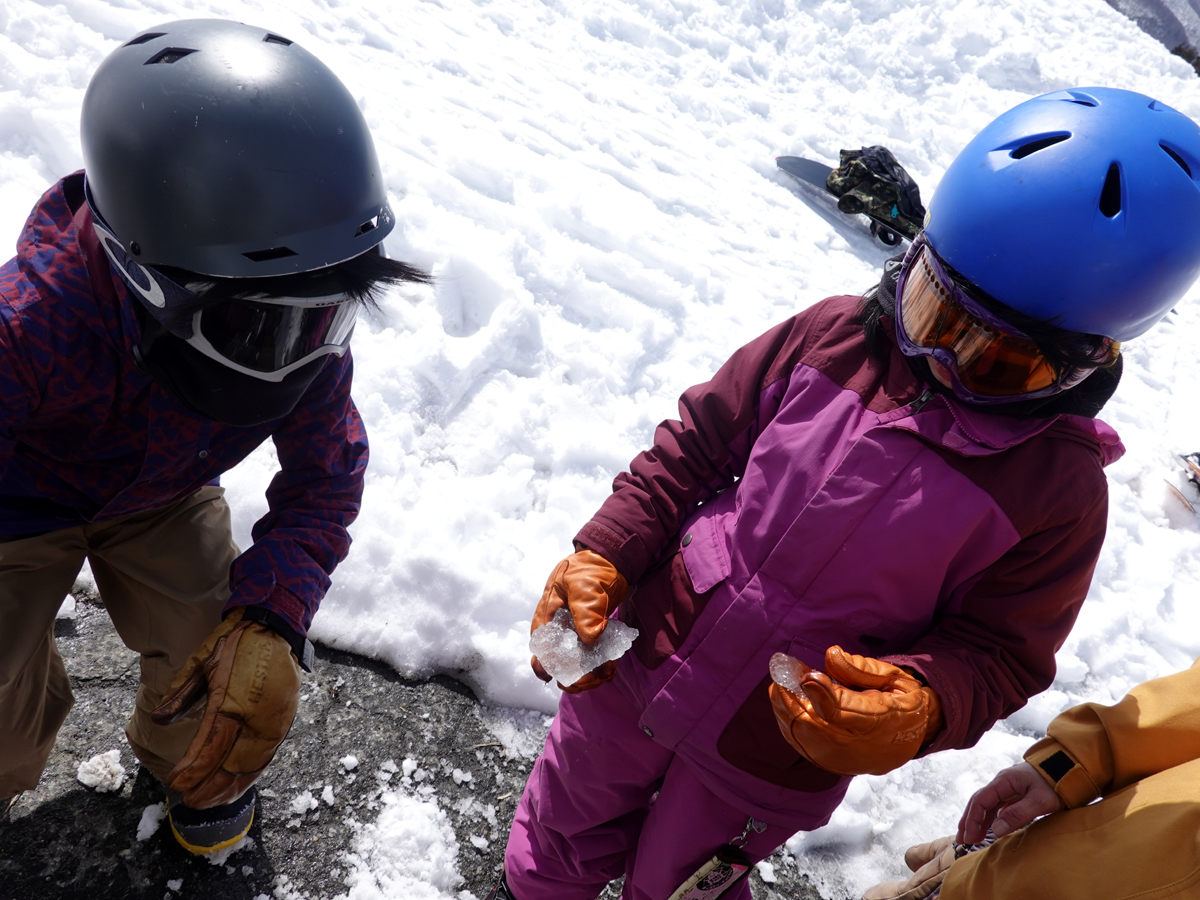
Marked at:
<point>189,295</point>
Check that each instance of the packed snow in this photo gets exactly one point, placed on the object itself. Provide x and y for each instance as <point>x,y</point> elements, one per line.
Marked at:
<point>593,185</point>
<point>103,773</point>
<point>566,658</point>
<point>408,852</point>
<point>303,803</point>
<point>152,817</point>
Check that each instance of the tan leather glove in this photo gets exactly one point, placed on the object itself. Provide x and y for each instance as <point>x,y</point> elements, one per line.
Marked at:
<point>929,864</point>
<point>865,717</point>
<point>591,588</point>
<point>251,680</point>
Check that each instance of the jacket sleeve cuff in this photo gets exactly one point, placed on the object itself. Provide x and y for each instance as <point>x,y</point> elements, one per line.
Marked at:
<point>1069,779</point>
<point>627,553</point>
<point>284,613</point>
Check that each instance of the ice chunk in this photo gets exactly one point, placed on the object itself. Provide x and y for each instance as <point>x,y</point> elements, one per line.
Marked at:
<point>327,795</point>
<point>103,772</point>
<point>566,658</point>
<point>349,762</point>
<point>786,672</point>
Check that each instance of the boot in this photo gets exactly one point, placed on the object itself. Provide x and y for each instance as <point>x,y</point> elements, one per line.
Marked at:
<point>500,891</point>
<point>204,831</point>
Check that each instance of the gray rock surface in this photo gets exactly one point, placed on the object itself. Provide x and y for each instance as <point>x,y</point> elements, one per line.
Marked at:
<point>65,841</point>
<point>1174,23</point>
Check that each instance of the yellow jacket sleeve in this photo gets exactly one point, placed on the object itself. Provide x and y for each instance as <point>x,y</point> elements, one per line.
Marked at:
<point>1093,750</point>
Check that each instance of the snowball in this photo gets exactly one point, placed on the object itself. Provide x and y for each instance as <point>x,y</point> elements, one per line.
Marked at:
<point>349,762</point>
<point>103,772</point>
<point>152,817</point>
<point>303,803</point>
<point>566,658</point>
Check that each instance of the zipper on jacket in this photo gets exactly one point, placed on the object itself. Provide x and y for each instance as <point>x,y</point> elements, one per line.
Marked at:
<point>919,404</point>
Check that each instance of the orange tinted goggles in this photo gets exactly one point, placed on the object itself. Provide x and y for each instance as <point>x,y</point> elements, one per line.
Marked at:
<point>989,359</point>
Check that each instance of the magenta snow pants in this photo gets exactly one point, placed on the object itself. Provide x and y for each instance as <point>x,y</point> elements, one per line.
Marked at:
<point>589,813</point>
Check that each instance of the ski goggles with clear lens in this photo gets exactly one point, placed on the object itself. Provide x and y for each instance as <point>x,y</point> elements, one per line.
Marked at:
<point>989,361</point>
<point>269,338</point>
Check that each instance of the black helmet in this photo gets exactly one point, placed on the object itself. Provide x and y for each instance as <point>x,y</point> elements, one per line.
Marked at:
<point>235,189</point>
<point>228,150</point>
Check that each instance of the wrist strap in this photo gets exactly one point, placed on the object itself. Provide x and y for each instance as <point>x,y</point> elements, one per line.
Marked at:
<point>301,646</point>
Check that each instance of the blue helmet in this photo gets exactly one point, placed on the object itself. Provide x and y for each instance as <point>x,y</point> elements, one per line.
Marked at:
<point>1080,208</point>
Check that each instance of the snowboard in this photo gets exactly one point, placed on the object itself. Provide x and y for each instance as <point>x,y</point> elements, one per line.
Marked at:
<point>813,174</point>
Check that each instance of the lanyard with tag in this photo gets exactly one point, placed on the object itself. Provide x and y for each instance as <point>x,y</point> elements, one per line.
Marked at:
<point>727,866</point>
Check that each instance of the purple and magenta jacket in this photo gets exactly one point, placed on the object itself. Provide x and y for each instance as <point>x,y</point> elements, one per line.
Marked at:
<point>85,436</point>
<point>812,494</point>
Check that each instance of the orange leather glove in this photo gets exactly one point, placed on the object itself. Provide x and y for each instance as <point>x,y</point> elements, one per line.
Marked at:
<point>591,588</point>
<point>865,717</point>
<point>251,680</point>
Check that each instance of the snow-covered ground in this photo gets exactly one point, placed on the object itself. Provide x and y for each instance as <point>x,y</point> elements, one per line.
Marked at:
<point>593,184</point>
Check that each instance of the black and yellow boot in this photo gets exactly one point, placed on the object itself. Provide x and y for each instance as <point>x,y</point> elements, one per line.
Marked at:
<point>205,831</point>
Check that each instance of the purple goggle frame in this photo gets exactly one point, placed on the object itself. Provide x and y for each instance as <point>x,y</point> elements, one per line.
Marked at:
<point>1066,379</point>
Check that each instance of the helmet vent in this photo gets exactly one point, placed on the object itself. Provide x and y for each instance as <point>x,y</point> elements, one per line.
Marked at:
<point>370,225</point>
<point>168,55</point>
<point>1040,144</point>
<point>268,255</point>
<point>145,38</point>
<point>1110,195</point>
<point>276,39</point>
<point>1179,159</point>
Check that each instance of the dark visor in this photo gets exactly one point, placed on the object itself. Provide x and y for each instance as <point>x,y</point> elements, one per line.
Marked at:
<point>267,337</point>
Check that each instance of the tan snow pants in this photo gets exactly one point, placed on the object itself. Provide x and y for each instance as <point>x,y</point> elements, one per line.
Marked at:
<point>163,577</point>
<point>1143,842</point>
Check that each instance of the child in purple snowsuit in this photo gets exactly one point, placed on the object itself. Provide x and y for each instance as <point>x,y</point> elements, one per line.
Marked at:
<point>915,476</point>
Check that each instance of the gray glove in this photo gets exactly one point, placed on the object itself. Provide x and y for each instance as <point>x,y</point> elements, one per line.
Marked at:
<point>929,864</point>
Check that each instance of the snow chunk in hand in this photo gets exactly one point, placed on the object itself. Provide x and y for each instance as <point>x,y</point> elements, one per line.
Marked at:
<point>103,772</point>
<point>566,658</point>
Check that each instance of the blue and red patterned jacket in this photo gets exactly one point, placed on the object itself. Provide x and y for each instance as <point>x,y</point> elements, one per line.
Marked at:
<point>85,436</point>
